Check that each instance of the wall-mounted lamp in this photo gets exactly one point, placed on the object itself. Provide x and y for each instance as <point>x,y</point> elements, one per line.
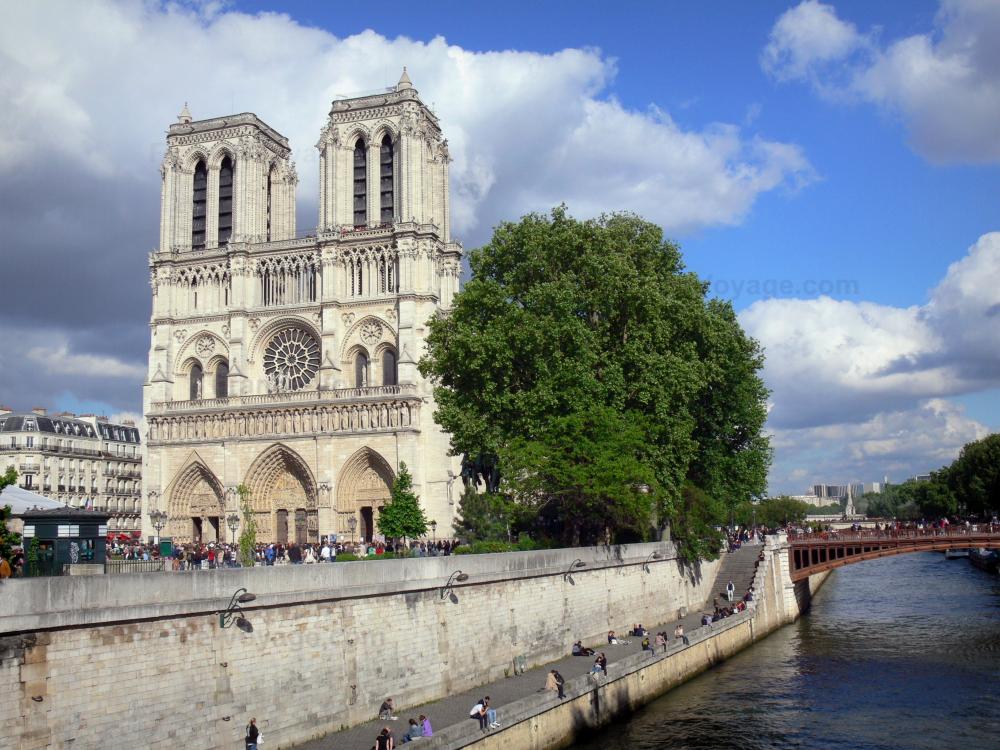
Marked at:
<point>457,577</point>
<point>233,614</point>
<point>577,563</point>
<point>37,698</point>
<point>223,663</point>
<point>656,555</point>
<point>226,718</point>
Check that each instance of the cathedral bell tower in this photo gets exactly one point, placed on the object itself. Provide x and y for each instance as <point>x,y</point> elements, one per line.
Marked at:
<point>228,179</point>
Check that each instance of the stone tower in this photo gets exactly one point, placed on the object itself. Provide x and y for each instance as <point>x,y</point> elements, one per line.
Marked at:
<point>288,365</point>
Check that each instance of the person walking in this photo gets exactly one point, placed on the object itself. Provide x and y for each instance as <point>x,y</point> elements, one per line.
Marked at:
<point>252,735</point>
<point>560,682</point>
<point>730,590</point>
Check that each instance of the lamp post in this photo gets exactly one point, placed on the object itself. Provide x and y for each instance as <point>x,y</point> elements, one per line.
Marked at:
<point>352,524</point>
<point>233,521</point>
<point>434,526</point>
<point>159,520</point>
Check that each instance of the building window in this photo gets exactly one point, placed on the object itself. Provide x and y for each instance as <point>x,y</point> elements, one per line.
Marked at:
<point>386,180</point>
<point>269,203</point>
<point>360,184</point>
<point>29,441</point>
<point>361,370</point>
<point>195,383</point>
<point>13,441</point>
<point>226,201</point>
<point>221,380</point>
<point>198,206</point>
<point>388,368</point>
<point>27,480</point>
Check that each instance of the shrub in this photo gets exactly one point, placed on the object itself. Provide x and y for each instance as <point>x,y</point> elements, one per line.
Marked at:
<point>347,557</point>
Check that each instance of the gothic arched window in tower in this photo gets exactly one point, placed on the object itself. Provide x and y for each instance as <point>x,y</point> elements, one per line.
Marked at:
<point>360,184</point>
<point>222,380</point>
<point>270,201</point>
<point>361,370</point>
<point>198,204</point>
<point>388,367</point>
<point>386,178</point>
<point>225,201</point>
<point>195,382</point>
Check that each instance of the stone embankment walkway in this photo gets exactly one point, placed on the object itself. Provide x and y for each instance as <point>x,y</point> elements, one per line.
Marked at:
<point>737,566</point>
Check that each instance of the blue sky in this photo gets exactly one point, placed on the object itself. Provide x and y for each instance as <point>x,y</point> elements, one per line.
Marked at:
<point>823,164</point>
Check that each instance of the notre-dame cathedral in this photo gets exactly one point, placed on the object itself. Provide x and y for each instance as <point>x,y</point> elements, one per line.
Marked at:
<point>288,364</point>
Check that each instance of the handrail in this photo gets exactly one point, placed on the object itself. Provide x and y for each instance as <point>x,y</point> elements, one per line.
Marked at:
<point>272,399</point>
<point>893,534</point>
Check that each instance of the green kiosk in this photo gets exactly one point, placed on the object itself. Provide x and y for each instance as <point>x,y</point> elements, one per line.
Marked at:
<point>63,536</point>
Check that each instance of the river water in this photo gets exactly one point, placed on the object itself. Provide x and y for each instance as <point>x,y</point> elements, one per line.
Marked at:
<point>900,653</point>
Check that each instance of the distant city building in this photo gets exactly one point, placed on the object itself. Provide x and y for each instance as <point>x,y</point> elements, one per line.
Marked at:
<point>922,478</point>
<point>873,487</point>
<point>84,461</point>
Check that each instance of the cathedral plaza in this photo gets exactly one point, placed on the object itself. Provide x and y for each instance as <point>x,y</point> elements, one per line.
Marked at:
<point>287,364</point>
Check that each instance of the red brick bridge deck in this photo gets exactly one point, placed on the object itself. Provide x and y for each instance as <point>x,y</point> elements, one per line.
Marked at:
<point>814,553</point>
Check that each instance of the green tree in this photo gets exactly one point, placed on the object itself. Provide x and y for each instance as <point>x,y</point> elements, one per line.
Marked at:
<point>8,539</point>
<point>402,516</point>
<point>248,533</point>
<point>975,476</point>
<point>593,332</point>
<point>481,517</point>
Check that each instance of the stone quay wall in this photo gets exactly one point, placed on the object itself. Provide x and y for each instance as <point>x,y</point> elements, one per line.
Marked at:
<point>141,661</point>
<point>543,722</point>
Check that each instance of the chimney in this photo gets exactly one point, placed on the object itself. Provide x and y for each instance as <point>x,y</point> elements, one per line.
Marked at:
<point>41,412</point>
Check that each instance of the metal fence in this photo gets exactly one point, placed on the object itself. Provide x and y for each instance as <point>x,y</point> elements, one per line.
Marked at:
<point>133,566</point>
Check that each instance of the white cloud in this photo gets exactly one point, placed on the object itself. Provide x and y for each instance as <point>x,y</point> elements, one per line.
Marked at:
<point>806,36</point>
<point>861,384</point>
<point>945,84</point>
<point>57,359</point>
<point>899,444</point>
<point>95,84</point>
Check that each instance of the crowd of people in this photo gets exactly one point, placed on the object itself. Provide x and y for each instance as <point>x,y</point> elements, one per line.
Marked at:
<point>419,726</point>
<point>215,555</point>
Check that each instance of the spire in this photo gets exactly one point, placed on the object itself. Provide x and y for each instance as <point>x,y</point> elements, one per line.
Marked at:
<point>404,81</point>
<point>185,115</point>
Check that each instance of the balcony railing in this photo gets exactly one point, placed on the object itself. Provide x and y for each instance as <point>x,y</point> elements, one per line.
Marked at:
<point>28,468</point>
<point>272,399</point>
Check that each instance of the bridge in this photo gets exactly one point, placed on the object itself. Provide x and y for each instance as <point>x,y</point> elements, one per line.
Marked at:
<point>814,553</point>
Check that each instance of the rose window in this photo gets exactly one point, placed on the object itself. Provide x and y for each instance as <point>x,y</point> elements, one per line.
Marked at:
<point>291,360</point>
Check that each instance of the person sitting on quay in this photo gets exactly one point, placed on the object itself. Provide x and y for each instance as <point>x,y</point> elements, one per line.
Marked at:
<point>612,639</point>
<point>386,712</point>
<point>596,671</point>
<point>661,642</point>
<point>478,712</point>
<point>384,740</point>
<point>416,730</point>
<point>679,634</point>
<point>426,724</point>
<point>491,714</point>
<point>647,646</point>
<point>580,650</point>
<point>706,619</point>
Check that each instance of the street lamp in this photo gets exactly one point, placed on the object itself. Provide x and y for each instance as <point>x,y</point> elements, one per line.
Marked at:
<point>434,526</point>
<point>234,523</point>
<point>233,614</point>
<point>352,524</point>
<point>159,520</point>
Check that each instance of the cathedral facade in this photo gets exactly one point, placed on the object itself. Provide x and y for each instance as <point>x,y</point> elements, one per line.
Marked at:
<point>289,364</point>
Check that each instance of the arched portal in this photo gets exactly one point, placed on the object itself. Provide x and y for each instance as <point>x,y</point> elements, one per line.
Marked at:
<point>365,485</point>
<point>283,496</point>
<point>195,506</point>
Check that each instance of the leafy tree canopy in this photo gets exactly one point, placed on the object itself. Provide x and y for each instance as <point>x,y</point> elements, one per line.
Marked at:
<point>402,516</point>
<point>585,357</point>
<point>8,539</point>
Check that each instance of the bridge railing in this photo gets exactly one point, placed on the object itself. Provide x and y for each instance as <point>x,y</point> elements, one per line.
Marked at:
<point>894,534</point>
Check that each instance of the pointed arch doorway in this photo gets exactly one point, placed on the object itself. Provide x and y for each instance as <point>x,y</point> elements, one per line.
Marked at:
<point>365,486</point>
<point>283,497</point>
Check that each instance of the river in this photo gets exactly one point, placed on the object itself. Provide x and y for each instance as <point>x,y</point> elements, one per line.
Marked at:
<point>900,653</point>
